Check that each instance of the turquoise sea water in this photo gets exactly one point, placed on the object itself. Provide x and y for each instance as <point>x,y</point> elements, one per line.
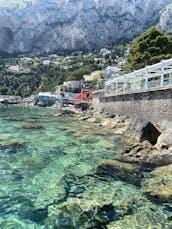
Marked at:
<point>48,179</point>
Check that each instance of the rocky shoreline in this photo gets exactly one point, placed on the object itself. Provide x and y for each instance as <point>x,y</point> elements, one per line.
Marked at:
<point>146,160</point>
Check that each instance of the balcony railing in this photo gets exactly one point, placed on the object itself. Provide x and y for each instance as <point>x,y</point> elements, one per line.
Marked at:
<point>151,77</point>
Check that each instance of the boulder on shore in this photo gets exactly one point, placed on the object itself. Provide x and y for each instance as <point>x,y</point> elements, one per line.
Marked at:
<point>146,155</point>
<point>93,119</point>
<point>65,112</point>
<point>165,140</point>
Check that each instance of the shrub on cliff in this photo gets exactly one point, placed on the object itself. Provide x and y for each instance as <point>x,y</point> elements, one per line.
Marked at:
<point>149,48</point>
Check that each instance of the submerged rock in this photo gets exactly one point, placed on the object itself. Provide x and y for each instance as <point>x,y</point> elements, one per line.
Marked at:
<point>27,211</point>
<point>145,217</point>
<point>32,126</point>
<point>11,144</point>
<point>95,207</point>
<point>120,171</point>
<point>51,193</point>
<point>80,213</point>
<point>14,119</point>
<point>159,185</point>
<point>12,224</point>
<point>86,133</point>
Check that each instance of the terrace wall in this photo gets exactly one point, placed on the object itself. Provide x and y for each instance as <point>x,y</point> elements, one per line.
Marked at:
<point>154,105</point>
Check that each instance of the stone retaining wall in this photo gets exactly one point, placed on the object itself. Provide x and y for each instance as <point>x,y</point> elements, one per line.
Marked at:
<point>152,105</point>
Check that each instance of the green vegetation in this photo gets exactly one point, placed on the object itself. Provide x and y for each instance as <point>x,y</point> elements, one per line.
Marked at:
<point>41,76</point>
<point>149,48</point>
<point>78,74</point>
<point>18,85</point>
<point>44,73</point>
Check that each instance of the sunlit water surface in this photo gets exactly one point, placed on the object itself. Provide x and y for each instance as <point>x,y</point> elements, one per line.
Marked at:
<point>48,180</point>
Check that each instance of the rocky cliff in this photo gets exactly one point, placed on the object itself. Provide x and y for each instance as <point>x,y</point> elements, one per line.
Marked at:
<point>51,25</point>
<point>165,23</point>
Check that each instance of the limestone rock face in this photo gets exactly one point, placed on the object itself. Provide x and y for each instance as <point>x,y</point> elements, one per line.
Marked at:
<point>51,25</point>
<point>141,130</point>
<point>165,23</point>
<point>165,139</point>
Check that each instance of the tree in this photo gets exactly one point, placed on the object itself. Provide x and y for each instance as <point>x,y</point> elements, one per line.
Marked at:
<point>149,48</point>
<point>78,74</point>
<point>4,91</point>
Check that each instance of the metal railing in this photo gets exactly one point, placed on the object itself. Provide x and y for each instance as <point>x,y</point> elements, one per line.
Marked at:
<point>151,77</point>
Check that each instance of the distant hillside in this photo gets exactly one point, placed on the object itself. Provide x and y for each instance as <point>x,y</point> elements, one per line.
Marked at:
<point>52,25</point>
<point>165,23</point>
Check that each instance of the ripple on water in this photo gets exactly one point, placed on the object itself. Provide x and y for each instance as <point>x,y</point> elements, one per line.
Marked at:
<point>48,180</point>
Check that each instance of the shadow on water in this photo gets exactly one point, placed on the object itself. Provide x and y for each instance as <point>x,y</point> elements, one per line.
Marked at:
<point>28,211</point>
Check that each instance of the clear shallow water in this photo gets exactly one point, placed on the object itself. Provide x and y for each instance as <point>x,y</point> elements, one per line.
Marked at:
<point>47,177</point>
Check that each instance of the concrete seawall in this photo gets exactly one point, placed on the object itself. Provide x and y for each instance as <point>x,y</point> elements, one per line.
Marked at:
<point>154,105</point>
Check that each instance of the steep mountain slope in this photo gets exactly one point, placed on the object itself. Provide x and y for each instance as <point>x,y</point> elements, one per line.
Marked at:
<point>165,23</point>
<point>50,25</point>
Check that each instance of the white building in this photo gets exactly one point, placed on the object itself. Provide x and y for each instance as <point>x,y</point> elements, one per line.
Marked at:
<point>105,51</point>
<point>49,94</point>
<point>110,70</point>
<point>72,85</point>
<point>18,69</point>
<point>46,62</point>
